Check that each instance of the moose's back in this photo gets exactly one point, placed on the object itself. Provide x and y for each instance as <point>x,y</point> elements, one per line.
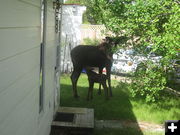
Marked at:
<point>88,55</point>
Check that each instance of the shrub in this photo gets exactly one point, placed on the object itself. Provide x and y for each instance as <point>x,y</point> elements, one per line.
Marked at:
<point>149,80</point>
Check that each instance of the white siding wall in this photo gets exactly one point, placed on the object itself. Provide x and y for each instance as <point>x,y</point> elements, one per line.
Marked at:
<point>19,68</point>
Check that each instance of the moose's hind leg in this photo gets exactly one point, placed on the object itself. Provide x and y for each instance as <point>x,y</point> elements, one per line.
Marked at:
<point>105,89</point>
<point>100,72</point>
<point>74,78</point>
<point>90,90</point>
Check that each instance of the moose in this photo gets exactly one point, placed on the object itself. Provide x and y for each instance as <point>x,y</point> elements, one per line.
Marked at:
<point>93,77</point>
<point>100,56</point>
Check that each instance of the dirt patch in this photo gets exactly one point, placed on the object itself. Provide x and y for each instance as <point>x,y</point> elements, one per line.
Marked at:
<point>141,125</point>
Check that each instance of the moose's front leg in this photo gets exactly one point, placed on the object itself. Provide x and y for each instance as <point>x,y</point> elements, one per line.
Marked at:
<point>109,83</point>
<point>108,72</point>
<point>100,72</point>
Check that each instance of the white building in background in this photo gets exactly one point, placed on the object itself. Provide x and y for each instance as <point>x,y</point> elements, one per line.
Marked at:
<point>71,32</point>
<point>71,22</point>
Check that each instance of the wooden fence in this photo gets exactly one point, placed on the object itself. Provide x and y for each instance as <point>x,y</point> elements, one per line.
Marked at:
<point>92,32</point>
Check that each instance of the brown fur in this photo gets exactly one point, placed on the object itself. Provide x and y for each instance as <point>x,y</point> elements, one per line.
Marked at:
<point>92,56</point>
<point>93,77</point>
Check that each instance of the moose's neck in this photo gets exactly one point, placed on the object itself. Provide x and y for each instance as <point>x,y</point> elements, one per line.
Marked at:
<point>104,47</point>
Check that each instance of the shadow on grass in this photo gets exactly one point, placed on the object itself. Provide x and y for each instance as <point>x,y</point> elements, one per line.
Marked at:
<point>118,107</point>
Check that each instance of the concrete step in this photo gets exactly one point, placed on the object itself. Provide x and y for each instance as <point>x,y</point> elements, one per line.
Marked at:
<point>72,120</point>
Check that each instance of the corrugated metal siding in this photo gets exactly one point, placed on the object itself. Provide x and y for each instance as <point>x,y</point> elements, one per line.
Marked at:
<point>19,68</point>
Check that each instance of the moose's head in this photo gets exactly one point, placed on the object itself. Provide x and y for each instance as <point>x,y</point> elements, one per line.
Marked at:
<point>114,41</point>
<point>110,43</point>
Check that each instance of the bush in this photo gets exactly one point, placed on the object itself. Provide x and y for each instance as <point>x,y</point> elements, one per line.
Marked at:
<point>149,80</point>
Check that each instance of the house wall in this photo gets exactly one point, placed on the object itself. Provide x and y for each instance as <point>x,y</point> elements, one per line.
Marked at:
<point>20,39</point>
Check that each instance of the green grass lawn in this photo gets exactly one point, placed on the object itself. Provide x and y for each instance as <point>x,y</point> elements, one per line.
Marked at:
<point>121,106</point>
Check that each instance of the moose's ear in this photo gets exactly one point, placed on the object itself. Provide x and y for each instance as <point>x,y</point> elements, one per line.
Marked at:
<point>107,39</point>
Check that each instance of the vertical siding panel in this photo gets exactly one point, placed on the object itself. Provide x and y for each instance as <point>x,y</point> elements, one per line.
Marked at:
<point>50,58</point>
